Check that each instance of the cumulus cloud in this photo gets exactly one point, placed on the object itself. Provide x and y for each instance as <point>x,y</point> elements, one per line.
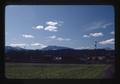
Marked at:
<point>18,45</point>
<point>51,28</point>
<point>24,45</point>
<point>86,36</point>
<point>96,34</point>
<point>63,39</point>
<point>27,36</point>
<point>112,32</point>
<point>109,41</point>
<point>51,23</point>
<point>52,37</point>
<point>38,27</point>
<point>59,38</point>
<point>39,44</point>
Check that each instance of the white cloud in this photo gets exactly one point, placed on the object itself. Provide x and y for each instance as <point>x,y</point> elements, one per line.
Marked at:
<point>82,48</point>
<point>52,37</point>
<point>39,44</point>
<point>51,28</point>
<point>63,39</point>
<point>59,38</point>
<point>109,41</point>
<point>38,27</point>
<point>35,44</point>
<point>27,36</point>
<point>17,45</point>
<point>51,23</point>
<point>112,32</point>
<point>96,34</point>
<point>86,36</point>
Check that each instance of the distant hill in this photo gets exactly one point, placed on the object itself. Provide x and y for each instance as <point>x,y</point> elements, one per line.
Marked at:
<point>55,48</point>
<point>52,54</point>
<point>9,48</point>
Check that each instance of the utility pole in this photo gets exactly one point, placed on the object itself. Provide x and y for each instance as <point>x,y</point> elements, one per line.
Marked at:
<point>95,44</point>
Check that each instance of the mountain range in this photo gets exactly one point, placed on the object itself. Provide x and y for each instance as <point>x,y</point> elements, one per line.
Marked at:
<point>9,48</point>
<point>55,48</point>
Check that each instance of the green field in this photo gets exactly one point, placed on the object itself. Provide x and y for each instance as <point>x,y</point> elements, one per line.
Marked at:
<point>54,71</point>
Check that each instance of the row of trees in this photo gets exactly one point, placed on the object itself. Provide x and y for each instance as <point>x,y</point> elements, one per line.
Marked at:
<point>61,56</point>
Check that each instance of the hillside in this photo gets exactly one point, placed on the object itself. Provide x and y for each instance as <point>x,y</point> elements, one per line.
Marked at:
<point>60,55</point>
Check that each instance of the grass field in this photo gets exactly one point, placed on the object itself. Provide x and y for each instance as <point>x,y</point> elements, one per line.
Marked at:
<point>54,71</point>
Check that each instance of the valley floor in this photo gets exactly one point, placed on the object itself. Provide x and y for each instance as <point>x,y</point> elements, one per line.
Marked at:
<point>56,71</point>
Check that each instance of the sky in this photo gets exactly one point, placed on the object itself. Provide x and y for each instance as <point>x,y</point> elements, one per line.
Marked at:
<point>74,26</point>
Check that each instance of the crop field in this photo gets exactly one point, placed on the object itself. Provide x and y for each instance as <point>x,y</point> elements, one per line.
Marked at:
<point>54,71</point>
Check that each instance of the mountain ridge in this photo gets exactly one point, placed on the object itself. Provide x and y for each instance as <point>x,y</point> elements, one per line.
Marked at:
<point>52,47</point>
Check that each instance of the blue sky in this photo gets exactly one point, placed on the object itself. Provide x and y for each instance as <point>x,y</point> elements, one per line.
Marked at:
<point>75,26</point>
